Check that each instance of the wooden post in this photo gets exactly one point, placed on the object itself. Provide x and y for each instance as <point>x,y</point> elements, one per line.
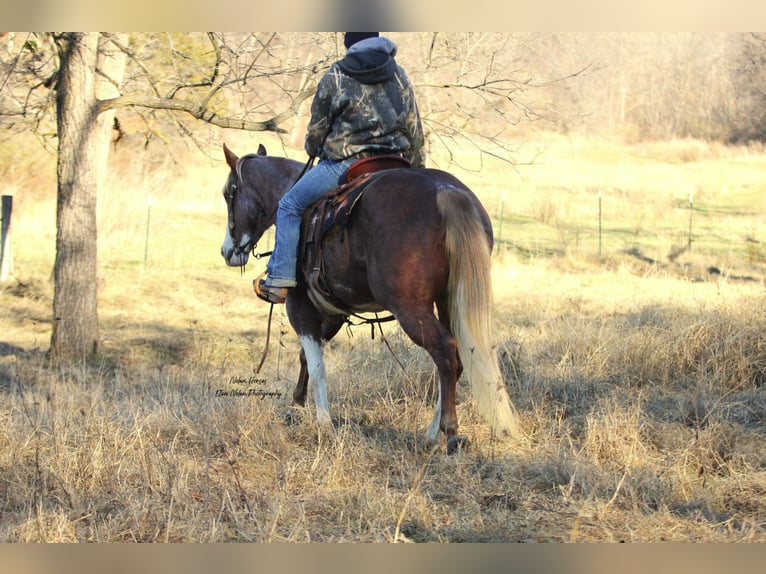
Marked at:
<point>500,225</point>
<point>599,223</point>
<point>148,218</point>
<point>691,212</point>
<point>6,253</point>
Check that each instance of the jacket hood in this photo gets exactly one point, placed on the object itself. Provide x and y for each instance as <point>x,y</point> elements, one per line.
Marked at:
<point>370,61</point>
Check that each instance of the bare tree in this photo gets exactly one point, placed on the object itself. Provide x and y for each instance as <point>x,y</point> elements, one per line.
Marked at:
<point>479,91</point>
<point>75,326</point>
<point>749,78</point>
<point>201,80</point>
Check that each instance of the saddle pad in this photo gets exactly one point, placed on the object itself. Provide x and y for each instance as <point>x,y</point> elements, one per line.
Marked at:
<point>340,206</point>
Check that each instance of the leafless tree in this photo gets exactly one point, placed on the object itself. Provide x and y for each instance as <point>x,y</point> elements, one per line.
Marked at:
<point>749,78</point>
<point>202,78</point>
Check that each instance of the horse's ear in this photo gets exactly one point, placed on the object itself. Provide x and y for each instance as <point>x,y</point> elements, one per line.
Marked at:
<point>231,157</point>
<point>261,149</point>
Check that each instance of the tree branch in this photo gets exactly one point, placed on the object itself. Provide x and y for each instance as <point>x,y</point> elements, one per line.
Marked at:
<point>201,112</point>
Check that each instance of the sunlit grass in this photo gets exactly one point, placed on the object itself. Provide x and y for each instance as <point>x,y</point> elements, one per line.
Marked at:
<point>638,374</point>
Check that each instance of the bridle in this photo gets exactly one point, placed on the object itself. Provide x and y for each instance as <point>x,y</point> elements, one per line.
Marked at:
<point>262,221</point>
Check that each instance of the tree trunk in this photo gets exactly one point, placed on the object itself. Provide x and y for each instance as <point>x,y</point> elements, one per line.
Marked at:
<point>75,315</point>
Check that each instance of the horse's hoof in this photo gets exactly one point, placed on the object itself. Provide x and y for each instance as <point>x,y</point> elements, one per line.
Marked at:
<point>291,418</point>
<point>457,443</point>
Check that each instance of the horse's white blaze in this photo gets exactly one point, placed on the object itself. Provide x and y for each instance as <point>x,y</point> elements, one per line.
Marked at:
<point>317,376</point>
<point>227,250</point>
<point>433,429</point>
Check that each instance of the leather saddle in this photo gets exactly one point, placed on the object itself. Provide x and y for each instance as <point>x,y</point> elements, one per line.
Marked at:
<point>331,210</point>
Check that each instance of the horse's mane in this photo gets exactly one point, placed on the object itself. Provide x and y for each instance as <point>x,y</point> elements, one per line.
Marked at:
<point>281,169</point>
<point>240,163</point>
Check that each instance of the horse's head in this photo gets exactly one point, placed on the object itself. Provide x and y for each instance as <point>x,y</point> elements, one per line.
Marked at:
<point>248,216</point>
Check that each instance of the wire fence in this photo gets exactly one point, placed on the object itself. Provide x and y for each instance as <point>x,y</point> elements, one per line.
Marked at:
<point>685,227</point>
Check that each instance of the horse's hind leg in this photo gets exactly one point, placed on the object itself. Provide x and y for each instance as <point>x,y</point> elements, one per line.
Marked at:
<point>444,318</point>
<point>430,334</point>
<point>456,441</point>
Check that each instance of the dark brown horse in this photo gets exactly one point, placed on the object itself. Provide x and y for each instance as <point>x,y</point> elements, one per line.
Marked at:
<point>418,239</point>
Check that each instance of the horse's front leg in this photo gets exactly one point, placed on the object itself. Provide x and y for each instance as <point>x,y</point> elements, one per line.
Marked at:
<point>312,368</point>
<point>312,371</point>
<point>317,375</point>
<point>300,391</point>
<point>313,361</point>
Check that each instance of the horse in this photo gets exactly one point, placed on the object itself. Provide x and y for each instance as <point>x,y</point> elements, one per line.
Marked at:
<point>417,241</point>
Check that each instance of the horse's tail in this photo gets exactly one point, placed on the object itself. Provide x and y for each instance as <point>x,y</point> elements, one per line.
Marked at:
<point>470,308</point>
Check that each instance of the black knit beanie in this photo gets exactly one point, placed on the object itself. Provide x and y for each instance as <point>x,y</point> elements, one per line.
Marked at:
<point>352,38</point>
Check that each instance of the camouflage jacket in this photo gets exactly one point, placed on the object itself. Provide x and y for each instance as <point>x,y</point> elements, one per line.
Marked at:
<point>365,105</point>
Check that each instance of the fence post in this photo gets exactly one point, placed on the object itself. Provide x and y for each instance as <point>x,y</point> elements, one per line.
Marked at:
<point>6,253</point>
<point>148,218</point>
<point>599,222</point>
<point>500,223</point>
<point>691,212</point>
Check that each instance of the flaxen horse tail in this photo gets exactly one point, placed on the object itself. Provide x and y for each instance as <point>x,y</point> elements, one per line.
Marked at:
<point>470,308</point>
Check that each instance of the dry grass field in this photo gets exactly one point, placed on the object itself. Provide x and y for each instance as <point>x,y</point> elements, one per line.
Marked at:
<point>638,372</point>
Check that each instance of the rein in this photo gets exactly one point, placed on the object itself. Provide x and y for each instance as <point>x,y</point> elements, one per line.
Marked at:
<point>383,337</point>
<point>268,338</point>
<point>308,166</point>
<point>366,321</point>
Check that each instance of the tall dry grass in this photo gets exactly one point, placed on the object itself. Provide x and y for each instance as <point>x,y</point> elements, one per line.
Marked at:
<point>640,387</point>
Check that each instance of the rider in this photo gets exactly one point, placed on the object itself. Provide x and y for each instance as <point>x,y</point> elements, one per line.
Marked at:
<point>364,105</point>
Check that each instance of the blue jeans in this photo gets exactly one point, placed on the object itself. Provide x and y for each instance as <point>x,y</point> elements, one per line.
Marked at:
<point>318,181</point>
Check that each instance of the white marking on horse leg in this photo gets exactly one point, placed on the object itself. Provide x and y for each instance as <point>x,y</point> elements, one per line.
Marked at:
<point>433,429</point>
<point>317,376</point>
